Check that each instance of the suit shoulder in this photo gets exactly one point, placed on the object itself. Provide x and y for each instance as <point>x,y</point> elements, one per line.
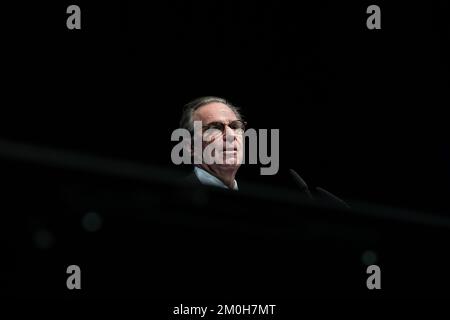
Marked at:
<point>190,178</point>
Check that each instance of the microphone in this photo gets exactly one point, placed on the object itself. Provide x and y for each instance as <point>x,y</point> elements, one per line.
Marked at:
<point>301,183</point>
<point>331,198</point>
<point>323,194</point>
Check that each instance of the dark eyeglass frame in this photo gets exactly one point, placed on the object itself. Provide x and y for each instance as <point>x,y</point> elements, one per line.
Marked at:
<point>221,126</point>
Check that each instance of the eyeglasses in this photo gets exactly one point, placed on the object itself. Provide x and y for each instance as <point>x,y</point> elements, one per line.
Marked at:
<point>215,129</point>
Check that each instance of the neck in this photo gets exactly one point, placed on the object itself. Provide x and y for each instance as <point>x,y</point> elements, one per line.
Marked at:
<point>226,174</point>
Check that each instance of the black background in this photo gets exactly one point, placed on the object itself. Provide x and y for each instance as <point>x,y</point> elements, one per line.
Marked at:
<point>361,112</point>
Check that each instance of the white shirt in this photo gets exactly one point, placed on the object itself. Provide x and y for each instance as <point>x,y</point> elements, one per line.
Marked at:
<point>207,178</point>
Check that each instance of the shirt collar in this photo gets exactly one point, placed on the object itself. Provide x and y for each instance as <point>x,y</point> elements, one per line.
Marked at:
<point>207,178</point>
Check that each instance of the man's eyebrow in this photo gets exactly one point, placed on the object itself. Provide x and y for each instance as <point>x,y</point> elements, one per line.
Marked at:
<point>207,124</point>
<point>227,123</point>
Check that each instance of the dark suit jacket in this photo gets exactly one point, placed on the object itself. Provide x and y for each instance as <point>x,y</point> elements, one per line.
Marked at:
<point>191,179</point>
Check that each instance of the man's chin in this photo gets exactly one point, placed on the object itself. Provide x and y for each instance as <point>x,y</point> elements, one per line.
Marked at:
<point>232,158</point>
<point>227,160</point>
<point>232,161</point>
<point>229,164</point>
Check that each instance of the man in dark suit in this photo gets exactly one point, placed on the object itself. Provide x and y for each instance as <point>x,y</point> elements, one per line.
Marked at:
<point>222,131</point>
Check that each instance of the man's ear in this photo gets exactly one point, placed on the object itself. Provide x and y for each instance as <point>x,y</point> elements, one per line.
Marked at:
<point>195,149</point>
<point>188,147</point>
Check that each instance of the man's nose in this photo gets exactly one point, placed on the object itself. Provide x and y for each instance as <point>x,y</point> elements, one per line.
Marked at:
<point>229,133</point>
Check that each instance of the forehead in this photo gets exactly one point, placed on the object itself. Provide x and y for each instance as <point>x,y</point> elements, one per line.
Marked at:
<point>214,111</point>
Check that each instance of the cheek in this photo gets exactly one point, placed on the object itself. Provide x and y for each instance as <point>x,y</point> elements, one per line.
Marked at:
<point>207,141</point>
<point>239,141</point>
<point>216,143</point>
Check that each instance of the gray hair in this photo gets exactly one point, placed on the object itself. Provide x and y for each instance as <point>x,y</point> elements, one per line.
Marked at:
<point>187,122</point>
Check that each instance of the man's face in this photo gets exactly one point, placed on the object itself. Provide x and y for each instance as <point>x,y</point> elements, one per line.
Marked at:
<point>229,143</point>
